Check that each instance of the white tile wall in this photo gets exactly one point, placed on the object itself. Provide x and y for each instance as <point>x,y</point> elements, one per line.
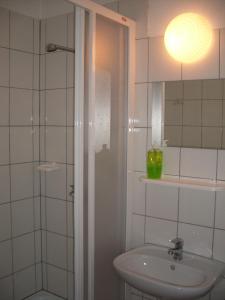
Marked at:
<point>56,215</point>
<point>4,27</point>
<point>161,66</point>
<point>142,60</point>
<point>57,250</point>
<point>196,239</point>
<point>141,105</point>
<point>21,32</point>
<point>197,207</point>
<point>222,53</point>
<point>6,258</point>
<point>162,202</point>
<point>6,287</point>
<point>206,68</point>
<point>57,281</point>
<point>24,283</point>
<point>4,112</point>
<point>4,70</point>
<point>21,69</point>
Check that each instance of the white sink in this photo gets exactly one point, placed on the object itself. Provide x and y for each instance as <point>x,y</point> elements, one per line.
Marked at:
<point>151,270</point>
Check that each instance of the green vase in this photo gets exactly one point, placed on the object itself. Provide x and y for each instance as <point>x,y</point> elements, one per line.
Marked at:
<point>154,163</point>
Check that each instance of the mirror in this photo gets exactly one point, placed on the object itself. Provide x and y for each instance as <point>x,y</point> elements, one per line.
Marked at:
<point>195,113</point>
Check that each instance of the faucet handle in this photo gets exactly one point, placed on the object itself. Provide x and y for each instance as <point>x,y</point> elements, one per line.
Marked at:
<point>178,242</point>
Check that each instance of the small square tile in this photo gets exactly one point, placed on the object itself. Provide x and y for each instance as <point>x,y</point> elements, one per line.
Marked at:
<point>4,146</point>
<point>4,112</point>
<point>212,113</point>
<point>5,258</point>
<point>6,287</point>
<point>56,183</point>
<point>212,89</point>
<point>23,251</point>
<point>220,208</point>
<point>56,215</point>
<point>160,231</point>
<point>196,207</point>
<point>4,184</point>
<point>22,181</point>
<point>138,231</point>
<point>174,90</point>
<point>4,70</point>
<point>21,32</point>
<point>162,202</point>
<point>22,217</point>
<point>57,282</point>
<point>21,107</point>
<point>55,107</point>
<point>21,142</point>
<point>56,144</point>
<point>4,27</point>
<point>141,105</point>
<point>58,36</point>
<point>173,112</point>
<point>57,250</point>
<point>162,67</point>
<point>24,283</point>
<point>5,222</point>
<point>199,163</point>
<point>219,245</point>
<point>173,134</point>
<point>192,112</point>
<point>56,70</point>
<point>21,69</point>
<point>171,160</point>
<point>212,137</point>
<point>193,89</point>
<point>192,136</point>
<point>142,60</point>
<point>196,239</point>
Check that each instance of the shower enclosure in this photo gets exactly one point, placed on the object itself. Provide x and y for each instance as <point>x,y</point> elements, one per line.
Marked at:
<point>66,80</point>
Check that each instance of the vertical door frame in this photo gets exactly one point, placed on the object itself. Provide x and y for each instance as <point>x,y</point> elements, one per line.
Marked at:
<point>93,9</point>
<point>79,153</point>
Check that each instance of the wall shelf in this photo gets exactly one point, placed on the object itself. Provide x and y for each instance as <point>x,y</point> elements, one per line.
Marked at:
<point>184,182</point>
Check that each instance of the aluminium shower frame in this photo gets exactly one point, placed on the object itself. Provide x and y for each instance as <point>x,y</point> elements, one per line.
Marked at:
<point>82,7</point>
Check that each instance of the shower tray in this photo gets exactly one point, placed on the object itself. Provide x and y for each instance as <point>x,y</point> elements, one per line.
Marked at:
<point>42,295</point>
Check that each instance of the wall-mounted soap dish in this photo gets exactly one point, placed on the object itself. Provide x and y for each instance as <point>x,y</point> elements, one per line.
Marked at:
<point>48,167</point>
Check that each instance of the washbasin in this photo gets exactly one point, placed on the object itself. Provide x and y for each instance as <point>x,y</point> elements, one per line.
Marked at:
<point>151,270</point>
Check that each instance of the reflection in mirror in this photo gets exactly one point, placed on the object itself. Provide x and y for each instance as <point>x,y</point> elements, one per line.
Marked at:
<point>195,113</point>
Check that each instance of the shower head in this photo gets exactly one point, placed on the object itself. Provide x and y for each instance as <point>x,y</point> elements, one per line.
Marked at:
<point>53,47</point>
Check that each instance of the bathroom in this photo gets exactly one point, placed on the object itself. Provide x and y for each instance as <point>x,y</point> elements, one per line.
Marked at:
<point>72,198</point>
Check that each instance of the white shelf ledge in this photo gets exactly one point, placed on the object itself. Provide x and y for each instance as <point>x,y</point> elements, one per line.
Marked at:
<point>184,182</point>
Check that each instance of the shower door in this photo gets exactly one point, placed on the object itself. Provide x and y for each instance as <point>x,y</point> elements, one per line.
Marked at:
<point>103,105</point>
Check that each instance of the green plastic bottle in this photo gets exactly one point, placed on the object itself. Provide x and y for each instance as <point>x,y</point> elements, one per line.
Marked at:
<point>154,163</point>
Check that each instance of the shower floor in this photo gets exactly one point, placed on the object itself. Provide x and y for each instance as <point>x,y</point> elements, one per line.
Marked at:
<point>42,295</point>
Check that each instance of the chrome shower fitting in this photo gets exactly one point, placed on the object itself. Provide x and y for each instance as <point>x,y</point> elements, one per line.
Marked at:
<point>54,47</point>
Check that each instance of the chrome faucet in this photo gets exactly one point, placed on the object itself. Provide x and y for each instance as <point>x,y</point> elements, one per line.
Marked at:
<point>177,251</point>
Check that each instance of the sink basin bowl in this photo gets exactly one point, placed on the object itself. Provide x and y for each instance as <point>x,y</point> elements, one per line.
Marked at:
<point>151,270</point>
